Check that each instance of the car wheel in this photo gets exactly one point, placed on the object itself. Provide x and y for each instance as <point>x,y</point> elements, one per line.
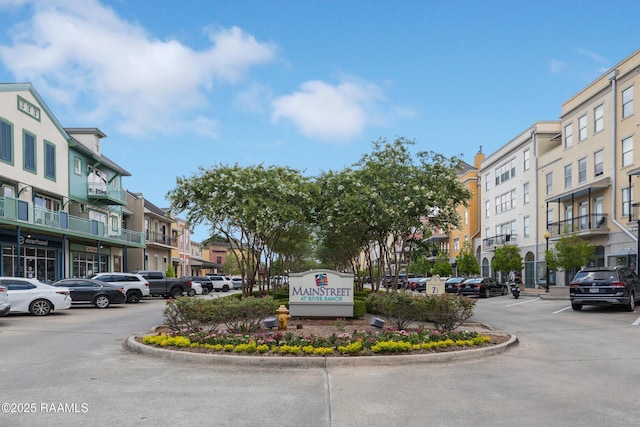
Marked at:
<point>632,302</point>
<point>191,293</point>
<point>40,307</point>
<point>102,301</point>
<point>134,297</point>
<point>225,288</point>
<point>176,293</point>
<point>576,307</point>
<point>205,291</point>
<point>487,293</point>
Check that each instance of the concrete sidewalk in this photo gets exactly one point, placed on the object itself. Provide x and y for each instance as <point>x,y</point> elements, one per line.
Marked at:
<point>555,292</point>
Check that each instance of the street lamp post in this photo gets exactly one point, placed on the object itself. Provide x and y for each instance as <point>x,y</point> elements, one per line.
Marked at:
<point>547,234</point>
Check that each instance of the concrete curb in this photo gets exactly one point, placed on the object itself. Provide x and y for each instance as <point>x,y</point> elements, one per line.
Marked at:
<point>315,362</point>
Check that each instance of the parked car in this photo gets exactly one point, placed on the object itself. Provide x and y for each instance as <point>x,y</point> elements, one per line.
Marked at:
<point>166,287</point>
<point>278,280</point>
<point>135,286</point>
<point>452,285</point>
<point>482,287</point>
<point>95,292</point>
<point>237,282</point>
<point>206,284</point>
<point>33,296</point>
<point>605,286</point>
<point>221,283</point>
<point>196,289</point>
<point>5,306</point>
<point>418,284</point>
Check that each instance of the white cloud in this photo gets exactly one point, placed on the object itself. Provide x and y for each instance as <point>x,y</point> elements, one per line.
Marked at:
<point>82,53</point>
<point>323,111</point>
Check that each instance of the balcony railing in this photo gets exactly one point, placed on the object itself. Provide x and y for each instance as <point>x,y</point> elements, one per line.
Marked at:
<point>101,191</point>
<point>162,239</point>
<point>584,224</point>
<point>21,213</point>
<point>499,240</point>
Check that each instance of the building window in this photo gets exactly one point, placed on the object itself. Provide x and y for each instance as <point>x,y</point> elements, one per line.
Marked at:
<point>506,202</point>
<point>568,136</point>
<point>549,183</point>
<point>77,166</point>
<point>598,118</point>
<point>114,223</point>
<point>486,182</point>
<point>505,172</point>
<point>6,142</point>
<point>598,165</point>
<point>583,216</point>
<point>487,209</point>
<point>549,218</point>
<point>626,201</point>
<point>582,170</point>
<point>568,217</point>
<point>527,227</point>
<point>567,176</point>
<point>582,128</point>
<point>627,151</point>
<point>525,190</point>
<point>526,160</point>
<point>466,217</point>
<point>49,160</point>
<point>29,151</point>
<point>627,102</point>
<point>456,244</point>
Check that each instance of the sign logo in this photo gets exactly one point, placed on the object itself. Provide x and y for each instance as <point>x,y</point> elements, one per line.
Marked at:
<point>322,280</point>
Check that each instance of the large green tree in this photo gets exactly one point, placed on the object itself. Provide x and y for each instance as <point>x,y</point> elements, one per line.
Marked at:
<point>383,201</point>
<point>466,261</point>
<point>570,253</point>
<point>507,258</point>
<point>251,207</point>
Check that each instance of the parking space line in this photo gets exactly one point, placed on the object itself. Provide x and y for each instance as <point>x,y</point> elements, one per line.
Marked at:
<point>523,302</point>
<point>561,310</point>
<point>637,322</point>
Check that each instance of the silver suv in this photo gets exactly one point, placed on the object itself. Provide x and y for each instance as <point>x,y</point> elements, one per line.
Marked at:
<point>135,286</point>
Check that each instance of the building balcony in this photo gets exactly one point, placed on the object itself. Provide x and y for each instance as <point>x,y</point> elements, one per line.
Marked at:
<point>100,191</point>
<point>20,213</point>
<point>160,239</point>
<point>491,243</point>
<point>584,226</point>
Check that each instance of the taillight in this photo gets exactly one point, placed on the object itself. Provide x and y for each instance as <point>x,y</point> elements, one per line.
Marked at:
<point>146,284</point>
<point>121,290</point>
<point>63,292</point>
<point>617,284</point>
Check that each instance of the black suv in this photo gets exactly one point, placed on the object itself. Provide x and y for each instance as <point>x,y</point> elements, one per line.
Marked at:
<point>605,286</point>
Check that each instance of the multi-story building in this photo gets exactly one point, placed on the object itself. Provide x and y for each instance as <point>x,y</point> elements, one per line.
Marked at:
<point>199,265</point>
<point>509,213</point>
<point>181,256</point>
<point>157,227</point>
<point>589,173</point>
<point>61,199</point>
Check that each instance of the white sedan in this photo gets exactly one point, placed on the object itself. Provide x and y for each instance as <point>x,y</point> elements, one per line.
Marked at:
<point>196,289</point>
<point>35,297</point>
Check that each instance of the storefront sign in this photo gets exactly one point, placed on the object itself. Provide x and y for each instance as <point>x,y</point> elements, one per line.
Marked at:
<point>33,241</point>
<point>321,293</point>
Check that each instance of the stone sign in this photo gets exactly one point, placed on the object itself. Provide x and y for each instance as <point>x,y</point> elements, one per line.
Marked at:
<point>320,293</point>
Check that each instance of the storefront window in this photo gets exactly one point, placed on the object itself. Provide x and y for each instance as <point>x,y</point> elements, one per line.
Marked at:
<point>85,264</point>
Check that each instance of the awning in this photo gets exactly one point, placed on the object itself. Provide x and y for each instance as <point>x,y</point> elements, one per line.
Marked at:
<point>623,252</point>
<point>581,191</point>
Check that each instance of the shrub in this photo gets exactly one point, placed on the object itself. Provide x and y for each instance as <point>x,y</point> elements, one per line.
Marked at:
<point>359,308</point>
<point>191,315</point>
<point>246,314</point>
<point>446,311</point>
<point>398,308</point>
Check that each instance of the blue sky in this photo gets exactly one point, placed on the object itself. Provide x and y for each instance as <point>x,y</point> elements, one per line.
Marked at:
<point>177,85</point>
